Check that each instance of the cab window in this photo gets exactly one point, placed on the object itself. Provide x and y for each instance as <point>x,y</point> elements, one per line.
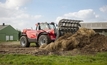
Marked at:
<point>44,26</point>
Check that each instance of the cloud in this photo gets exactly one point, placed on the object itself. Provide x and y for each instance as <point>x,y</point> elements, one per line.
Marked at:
<point>15,3</point>
<point>86,15</point>
<point>13,13</point>
<point>103,9</point>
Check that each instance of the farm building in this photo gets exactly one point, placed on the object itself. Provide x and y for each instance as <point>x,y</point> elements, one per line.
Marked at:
<point>100,27</point>
<point>8,33</point>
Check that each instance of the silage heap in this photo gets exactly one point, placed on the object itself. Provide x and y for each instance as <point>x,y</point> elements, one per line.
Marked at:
<point>83,41</point>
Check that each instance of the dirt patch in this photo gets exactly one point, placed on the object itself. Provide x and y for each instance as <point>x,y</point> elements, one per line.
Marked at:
<point>15,48</point>
<point>98,43</point>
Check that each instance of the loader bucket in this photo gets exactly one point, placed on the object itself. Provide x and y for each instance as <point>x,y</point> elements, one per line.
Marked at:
<point>68,26</point>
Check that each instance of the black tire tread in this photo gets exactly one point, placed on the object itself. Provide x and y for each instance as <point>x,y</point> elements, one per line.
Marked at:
<point>45,36</point>
<point>27,44</point>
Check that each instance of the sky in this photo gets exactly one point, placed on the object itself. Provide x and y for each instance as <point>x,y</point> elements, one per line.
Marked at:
<point>22,14</point>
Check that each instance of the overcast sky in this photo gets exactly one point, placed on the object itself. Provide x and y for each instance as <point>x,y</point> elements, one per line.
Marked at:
<point>26,13</point>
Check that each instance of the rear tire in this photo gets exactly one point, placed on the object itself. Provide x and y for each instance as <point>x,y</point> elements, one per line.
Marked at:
<point>24,42</point>
<point>43,39</point>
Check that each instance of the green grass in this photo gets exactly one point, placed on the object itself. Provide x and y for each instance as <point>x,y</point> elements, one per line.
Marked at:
<point>17,59</point>
<point>33,44</point>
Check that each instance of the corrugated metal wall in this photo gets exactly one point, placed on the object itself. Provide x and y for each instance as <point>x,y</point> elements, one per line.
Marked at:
<point>100,27</point>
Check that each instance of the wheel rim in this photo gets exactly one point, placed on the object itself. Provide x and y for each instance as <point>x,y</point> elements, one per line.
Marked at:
<point>42,41</point>
<point>22,42</point>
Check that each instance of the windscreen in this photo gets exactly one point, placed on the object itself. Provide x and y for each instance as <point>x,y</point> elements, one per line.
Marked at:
<point>52,26</point>
<point>44,26</point>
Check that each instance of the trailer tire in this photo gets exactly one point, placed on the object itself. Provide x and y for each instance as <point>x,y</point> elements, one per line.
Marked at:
<point>24,42</point>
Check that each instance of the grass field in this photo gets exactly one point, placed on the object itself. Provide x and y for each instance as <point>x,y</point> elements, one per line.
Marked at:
<point>18,59</point>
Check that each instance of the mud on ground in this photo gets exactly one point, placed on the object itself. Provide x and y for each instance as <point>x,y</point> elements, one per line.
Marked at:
<point>15,48</point>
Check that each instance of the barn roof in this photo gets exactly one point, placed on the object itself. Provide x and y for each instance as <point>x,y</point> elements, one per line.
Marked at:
<point>3,26</point>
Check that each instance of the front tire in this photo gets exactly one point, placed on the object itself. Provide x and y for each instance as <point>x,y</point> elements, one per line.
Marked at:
<point>43,39</point>
<point>24,42</point>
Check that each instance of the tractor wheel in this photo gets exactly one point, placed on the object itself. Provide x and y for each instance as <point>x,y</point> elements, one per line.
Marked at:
<point>43,39</point>
<point>24,42</point>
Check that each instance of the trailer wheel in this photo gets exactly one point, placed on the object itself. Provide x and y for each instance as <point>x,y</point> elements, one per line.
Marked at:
<point>24,42</point>
<point>43,39</point>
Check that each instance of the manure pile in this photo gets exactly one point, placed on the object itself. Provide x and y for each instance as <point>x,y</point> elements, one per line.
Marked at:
<point>83,41</point>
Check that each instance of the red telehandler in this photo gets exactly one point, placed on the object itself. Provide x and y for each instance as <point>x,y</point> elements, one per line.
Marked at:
<point>48,32</point>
